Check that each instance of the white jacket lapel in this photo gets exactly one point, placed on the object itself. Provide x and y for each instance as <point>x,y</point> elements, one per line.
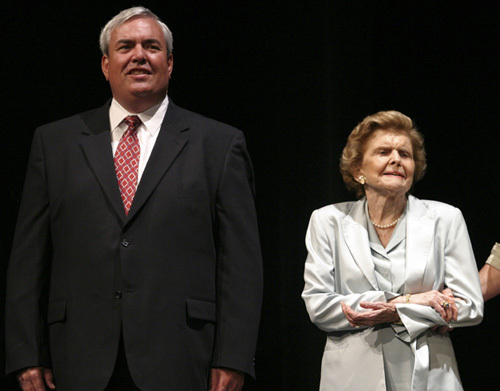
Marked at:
<point>419,239</point>
<point>356,237</point>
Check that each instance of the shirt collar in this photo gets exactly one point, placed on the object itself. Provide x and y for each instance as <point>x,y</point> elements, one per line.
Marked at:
<point>151,118</point>
<point>398,235</point>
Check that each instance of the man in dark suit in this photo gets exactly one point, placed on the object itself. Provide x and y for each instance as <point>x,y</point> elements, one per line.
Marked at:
<point>136,256</point>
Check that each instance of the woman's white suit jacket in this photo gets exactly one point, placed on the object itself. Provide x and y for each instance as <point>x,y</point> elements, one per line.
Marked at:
<point>339,268</point>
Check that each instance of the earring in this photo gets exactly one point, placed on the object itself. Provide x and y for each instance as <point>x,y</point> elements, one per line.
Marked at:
<point>362,179</point>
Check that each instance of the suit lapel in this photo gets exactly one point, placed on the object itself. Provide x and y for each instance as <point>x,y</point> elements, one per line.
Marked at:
<point>356,237</point>
<point>419,237</point>
<point>96,144</point>
<point>170,142</point>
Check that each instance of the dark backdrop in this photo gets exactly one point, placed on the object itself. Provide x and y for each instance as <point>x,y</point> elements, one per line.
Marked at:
<point>296,76</point>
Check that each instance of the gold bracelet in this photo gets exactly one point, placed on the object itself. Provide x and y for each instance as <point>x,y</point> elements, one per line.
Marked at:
<point>408,296</point>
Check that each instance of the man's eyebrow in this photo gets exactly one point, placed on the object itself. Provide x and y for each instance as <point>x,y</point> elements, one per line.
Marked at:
<point>120,41</point>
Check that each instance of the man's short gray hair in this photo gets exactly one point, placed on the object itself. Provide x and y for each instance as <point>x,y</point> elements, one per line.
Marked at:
<point>125,15</point>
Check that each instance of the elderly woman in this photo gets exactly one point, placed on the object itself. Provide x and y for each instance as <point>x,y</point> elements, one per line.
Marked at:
<point>388,275</point>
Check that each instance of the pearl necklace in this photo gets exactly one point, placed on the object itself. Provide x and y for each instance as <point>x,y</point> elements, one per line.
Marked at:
<point>385,226</point>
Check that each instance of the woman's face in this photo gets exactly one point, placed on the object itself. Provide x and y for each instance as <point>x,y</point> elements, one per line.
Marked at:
<point>388,163</point>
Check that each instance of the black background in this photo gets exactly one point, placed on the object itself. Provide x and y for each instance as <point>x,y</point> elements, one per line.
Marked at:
<point>296,77</point>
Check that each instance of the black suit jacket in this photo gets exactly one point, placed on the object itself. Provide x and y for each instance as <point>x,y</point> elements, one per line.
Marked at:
<point>181,274</point>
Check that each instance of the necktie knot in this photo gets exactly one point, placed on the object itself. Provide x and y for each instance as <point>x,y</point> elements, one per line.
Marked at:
<point>132,122</point>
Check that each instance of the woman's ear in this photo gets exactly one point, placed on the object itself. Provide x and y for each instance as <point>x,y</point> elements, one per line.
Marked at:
<point>356,173</point>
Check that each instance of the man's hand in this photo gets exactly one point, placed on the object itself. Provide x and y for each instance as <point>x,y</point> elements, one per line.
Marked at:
<point>225,380</point>
<point>35,379</point>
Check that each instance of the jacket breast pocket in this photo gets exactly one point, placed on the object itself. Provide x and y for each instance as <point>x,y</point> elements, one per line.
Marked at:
<point>56,311</point>
<point>201,309</point>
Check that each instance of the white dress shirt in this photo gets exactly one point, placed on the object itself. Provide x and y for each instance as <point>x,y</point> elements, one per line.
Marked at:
<point>147,133</point>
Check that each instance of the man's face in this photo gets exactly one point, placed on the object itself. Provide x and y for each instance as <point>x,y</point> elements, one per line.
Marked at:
<point>137,66</point>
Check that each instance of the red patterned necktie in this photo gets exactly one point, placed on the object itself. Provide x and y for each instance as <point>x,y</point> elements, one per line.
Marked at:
<point>127,161</point>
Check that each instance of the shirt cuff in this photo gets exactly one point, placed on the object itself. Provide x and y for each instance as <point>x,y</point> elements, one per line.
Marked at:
<point>494,258</point>
<point>391,295</point>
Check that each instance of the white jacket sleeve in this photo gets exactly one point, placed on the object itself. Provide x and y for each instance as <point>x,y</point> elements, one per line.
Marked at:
<point>323,302</point>
<point>460,275</point>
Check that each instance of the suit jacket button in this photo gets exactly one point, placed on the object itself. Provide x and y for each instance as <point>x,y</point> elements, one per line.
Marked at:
<point>125,243</point>
<point>118,294</point>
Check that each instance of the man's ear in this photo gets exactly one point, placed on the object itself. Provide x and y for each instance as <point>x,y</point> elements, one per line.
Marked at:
<point>170,65</point>
<point>105,66</point>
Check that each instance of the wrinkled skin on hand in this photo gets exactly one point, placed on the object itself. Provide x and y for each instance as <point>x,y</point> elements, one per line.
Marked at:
<point>379,312</point>
<point>385,312</point>
<point>436,299</point>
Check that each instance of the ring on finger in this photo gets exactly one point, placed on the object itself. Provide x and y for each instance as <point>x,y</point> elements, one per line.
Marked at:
<point>445,304</point>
